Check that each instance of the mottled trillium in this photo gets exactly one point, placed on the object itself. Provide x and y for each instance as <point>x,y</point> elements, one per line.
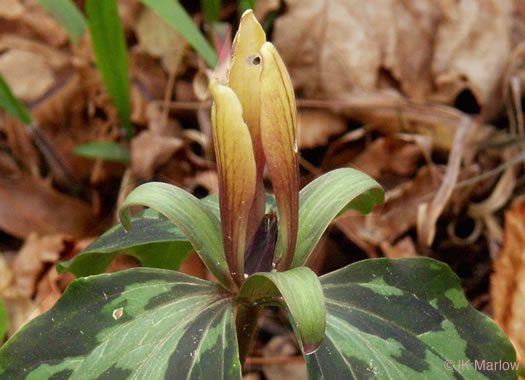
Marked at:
<point>254,125</point>
<point>381,319</point>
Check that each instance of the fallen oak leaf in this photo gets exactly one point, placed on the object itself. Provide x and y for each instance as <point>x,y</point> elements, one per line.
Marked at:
<point>507,288</point>
<point>29,205</point>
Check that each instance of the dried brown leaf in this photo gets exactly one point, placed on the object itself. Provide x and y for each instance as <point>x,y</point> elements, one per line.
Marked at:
<point>395,217</point>
<point>30,205</point>
<point>11,9</point>
<point>149,151</point>
<point>262,8</point>
<point>508,281</point>
<point>315,128</point>
<point>389,154</point>
<point>21,146</point>
<point>472,49</point>
<point>335,47</point>
<point>30,261</point>
<point>428,213</point>
<point>402,249</point>
<point>54,58</point>
<point>159,39</point>
<point>26,73</point>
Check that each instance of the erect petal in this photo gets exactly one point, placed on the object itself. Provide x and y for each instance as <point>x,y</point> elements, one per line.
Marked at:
<point>278,136</point>
<point>243,78</point>
<point>236,167</point>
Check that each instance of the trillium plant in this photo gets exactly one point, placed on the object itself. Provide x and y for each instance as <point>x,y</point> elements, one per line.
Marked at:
<point>375,319</point>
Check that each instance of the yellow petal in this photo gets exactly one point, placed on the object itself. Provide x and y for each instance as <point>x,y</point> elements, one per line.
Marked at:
<point>243,78</point>
<point>278,136</point>
<point>236,168</point>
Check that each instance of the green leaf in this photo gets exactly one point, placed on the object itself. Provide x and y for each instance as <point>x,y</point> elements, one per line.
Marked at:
<point>176,16</point>
<point>326,197</point>
<point>108,151</point>
<point>12,105</point>
<point>299,290</point>
<point>141,323</point>
<point>3,320</point>
<point>109,46</point>
<point>244,5</point>
<point>405,319</point>
<point>153,240</point>
<point>211,10</point>
<point>66,13</point>
<point>191,216</point>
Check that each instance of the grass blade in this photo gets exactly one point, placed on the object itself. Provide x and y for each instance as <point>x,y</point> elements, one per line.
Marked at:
<point>176,16</point>
<point>109,46</point>
<point>211,10</point>
<point>108,151</point>
<point>12,105</point>
<point>3,320</point>
<point>244,5</point>
<point>66,13</point>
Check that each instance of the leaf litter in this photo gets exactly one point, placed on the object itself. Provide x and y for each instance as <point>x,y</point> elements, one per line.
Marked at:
<point>426,97</point>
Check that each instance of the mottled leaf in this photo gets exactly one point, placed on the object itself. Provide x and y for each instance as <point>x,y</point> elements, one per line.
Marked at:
<point>176,16</point>
<point>109,151</point>
<point>211,10</point>
<point>141,323</point>
<point>192,217</point>
<point>406,319</point>
<point>326,197</point>
<point>12,105</point>
<point>153,240</point>
<point>299,291</point>
<point>109,46</point>
<point>66,13</point>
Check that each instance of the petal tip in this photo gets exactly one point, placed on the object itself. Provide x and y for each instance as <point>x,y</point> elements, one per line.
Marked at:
<point>311,348</point>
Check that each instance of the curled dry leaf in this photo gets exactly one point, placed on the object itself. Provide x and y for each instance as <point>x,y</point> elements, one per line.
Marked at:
<point>333,48</point>
<point>54,58</point>
<point>11,9</point>
<point>262,8</point>
<point>20,278</point>
<point>48,290</point>
<point>398,214</point>
<point>428,213</point>
<point>472,49</point>
<point>30,261</point>
<point>336,47</point>
<point>128,11</point>
<point>159,39</point>
<point>40,22</point>
<point>30,205</point>
<point>21,145</point>
<point>26,73</point>
<point>402,249</point>
<point>508,281</point>
<point>148,151</point>
<point>389,154</point>
<point>207,179</point>
<point>315,128</point>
